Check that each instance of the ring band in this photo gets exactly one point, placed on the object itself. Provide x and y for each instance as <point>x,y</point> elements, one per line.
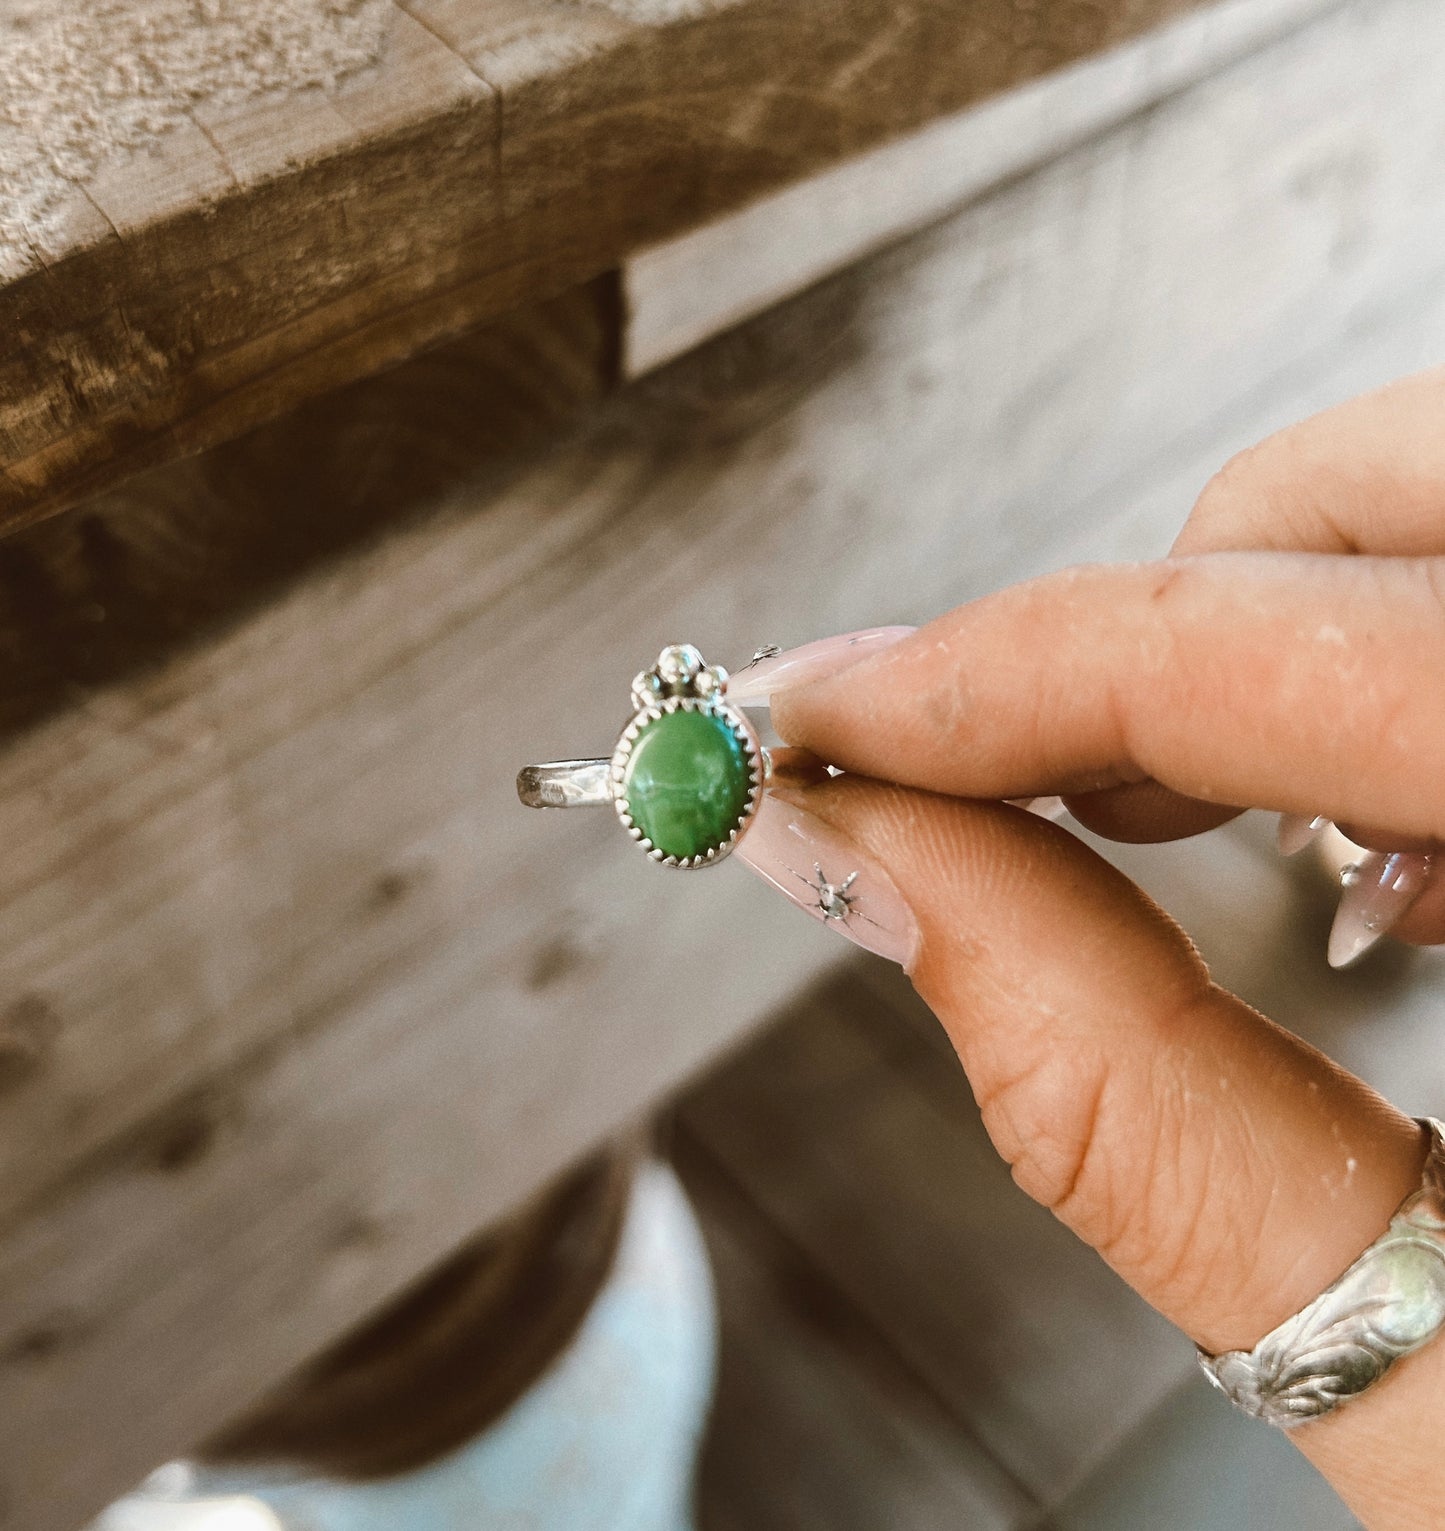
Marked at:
<point>1388,1304</point>
<point>565,784</point>
<point>686,775</point>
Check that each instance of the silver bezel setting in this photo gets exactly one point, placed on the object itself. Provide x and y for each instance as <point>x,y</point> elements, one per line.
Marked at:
<point>710,706</point>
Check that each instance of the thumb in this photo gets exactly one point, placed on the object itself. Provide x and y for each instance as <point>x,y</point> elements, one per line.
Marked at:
<point>1228,1171</point>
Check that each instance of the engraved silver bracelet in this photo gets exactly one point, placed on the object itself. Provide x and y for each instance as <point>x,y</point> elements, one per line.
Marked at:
<point>1390,1302</point>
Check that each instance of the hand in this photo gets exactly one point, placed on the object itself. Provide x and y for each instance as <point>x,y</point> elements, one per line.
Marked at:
<point>1289,655</point>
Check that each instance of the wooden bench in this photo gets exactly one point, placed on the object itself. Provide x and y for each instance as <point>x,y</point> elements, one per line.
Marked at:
<point>546,334</point>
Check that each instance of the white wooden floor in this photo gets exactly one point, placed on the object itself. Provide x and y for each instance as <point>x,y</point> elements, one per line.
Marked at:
<point>907,1341</point>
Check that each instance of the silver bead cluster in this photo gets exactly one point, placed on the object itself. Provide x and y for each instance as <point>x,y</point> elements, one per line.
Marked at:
<point>680,671</point>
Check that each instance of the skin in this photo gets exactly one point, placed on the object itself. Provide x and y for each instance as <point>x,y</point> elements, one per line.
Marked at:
<point>1286,655</point>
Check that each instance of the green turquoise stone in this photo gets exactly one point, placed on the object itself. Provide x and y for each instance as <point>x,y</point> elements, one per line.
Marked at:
<point>687,782</point>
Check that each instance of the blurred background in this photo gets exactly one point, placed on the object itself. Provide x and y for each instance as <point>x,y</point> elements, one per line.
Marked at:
<point>384,382</point>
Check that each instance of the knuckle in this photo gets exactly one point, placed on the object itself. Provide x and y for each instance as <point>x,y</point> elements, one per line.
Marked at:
<point>1047,1117</point>
<point>1233,489</point>
<point>1112,1151</point>
<point>1266,496</point>
<point>1190,1204</point>
<point>1206,1207</point>
<point>1064,1164</point>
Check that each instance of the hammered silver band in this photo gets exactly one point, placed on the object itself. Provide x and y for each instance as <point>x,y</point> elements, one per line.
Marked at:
<point>1389,1303</point>
<point>565,784</point>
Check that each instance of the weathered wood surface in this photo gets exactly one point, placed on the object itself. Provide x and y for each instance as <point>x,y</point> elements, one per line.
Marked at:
<point>681,291</point>
<point>296,998</point>
<point>818,1424</point>
<point>876,1167</point>
<point>264,248</point>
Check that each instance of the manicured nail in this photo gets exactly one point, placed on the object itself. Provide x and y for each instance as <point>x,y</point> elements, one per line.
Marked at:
<point>1051,808</point>
<point>1295,832</point>
<point>822,872</point>
<point>1378,889</point>
<point>774,672</point>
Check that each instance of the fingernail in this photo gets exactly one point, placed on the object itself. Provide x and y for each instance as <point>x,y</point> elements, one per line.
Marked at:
<point>1295,832</point>
<point>823,873</point>
<point>1051,808</point>
<point>1378,889</point>
<point>753,686</point>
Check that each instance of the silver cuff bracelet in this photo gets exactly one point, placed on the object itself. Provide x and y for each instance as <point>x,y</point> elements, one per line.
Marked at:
<point>1390,1302</point>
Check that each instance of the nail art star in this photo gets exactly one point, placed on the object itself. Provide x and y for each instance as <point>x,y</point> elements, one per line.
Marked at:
<point>834,900</point>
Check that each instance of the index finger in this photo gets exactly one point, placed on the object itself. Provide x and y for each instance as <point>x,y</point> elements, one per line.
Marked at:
<point>1364,477</point>
<point>1304,683</point>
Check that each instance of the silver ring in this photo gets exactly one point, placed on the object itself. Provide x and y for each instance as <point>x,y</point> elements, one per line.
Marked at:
<point>686,775</point>
<point>1388,1304</point>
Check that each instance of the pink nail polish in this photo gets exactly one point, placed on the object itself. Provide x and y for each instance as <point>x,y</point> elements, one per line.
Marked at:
<point>820,871</point>
<point>813,661</point>
<point>1050,808</point>
<point>1378,889</point>
<point>1295,832</point>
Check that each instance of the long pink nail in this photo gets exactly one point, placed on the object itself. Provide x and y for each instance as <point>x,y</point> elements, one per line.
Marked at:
<point>822,872</point>
<point>813,661</point>
<point>1294,832</point>
<point>1378,889</point>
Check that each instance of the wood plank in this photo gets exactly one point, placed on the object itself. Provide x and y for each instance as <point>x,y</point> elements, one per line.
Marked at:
<point>816,1425</point>
<point>893,1191</point>
<point>139,572</point>
<point>227,293</point>
<point>1196,1465</point>
<point>272,926</point>
<point>476,155</point>
<point>686,289</point>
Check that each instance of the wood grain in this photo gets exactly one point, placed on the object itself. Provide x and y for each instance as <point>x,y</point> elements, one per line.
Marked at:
<point>686,289</point>
<point>498,152</point>
<point>295,998</point>
<point>888,1184</point>
<point>143,570</point>
<point>818,1425</point>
